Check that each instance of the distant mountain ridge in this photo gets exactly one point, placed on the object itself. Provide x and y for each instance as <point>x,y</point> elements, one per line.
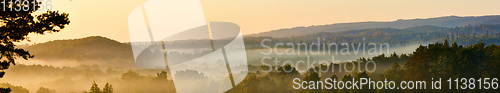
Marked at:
<point>383,31</point>
<point>447,21</point>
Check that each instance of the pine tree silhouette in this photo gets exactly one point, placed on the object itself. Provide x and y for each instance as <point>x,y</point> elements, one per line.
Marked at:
<point>94,88</point>
<point>108,88</point>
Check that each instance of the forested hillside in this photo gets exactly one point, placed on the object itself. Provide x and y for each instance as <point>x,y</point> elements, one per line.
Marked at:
<point>439,60</point>
<point>96,49</point>
<point>93,47</point>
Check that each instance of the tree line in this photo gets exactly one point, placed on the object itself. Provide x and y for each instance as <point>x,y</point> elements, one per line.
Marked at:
<point>437,60</point>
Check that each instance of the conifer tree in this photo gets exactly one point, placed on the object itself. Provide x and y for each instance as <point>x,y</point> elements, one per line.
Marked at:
<point>108,88</point>
<point>94,88</point>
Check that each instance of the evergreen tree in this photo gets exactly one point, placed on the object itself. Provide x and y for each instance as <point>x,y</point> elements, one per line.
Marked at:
<point>396,74</point>
<point>312,77</point>
<point>364,89</point>
<point>345,79</point>
<point>94,88</point>
<point>333,90</point>
<point>108,88</point>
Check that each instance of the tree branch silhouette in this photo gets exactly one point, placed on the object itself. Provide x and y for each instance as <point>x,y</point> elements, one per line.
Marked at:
<point>16,25</point>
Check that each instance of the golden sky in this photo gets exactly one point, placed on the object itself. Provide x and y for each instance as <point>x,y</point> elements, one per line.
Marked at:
<point>109,17</point>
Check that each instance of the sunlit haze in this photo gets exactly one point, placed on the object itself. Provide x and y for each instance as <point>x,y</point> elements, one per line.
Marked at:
<point>109,17</point>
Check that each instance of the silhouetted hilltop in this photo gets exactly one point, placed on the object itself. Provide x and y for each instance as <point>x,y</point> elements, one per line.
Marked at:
<point>88,48</point>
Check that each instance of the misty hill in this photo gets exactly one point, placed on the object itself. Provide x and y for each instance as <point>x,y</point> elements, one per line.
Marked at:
<point>95,49</point>
<point>448,21</point>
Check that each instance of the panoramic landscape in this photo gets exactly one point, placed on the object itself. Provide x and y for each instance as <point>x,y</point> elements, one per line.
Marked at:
<point>215,46</point>
<point>77,63</point>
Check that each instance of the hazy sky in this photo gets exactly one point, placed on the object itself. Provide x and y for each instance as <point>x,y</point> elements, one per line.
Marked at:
<point>109,17</point>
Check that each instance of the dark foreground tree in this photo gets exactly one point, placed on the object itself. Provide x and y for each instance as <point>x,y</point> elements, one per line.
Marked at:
<point>16,22</point>
<point>94,88</point>
<point>311,78</point>
<point>108,88</point>
<point>332,90</point>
